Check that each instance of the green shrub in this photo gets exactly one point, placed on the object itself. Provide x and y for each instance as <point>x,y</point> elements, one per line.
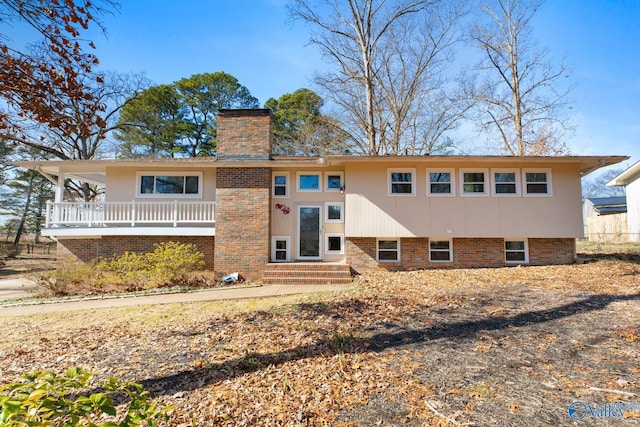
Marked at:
<point>169,264</point>
<point>42,398</point>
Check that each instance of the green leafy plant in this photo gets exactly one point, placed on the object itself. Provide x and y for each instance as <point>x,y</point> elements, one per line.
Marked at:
<point>42,398</point>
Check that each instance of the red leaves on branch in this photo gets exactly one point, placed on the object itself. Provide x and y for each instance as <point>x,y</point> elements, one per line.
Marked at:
<point>32,81</point>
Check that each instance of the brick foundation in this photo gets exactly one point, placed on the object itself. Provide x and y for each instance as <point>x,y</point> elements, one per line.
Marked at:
<point>467,253</point>
<point>83,250</point>
<point>552,251</point>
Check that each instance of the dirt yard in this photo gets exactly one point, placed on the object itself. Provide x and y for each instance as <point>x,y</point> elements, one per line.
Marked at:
<point>25,264</point>
<point>485,347</point>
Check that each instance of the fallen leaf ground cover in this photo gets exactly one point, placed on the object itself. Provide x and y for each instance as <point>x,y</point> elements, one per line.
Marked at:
<point>509,347</point>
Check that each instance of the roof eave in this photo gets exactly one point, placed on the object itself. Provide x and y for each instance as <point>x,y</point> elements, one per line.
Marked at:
<point>629,175</point>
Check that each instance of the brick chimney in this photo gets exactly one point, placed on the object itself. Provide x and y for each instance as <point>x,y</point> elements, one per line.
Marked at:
<point>245,134</point>
<point>243,196</point>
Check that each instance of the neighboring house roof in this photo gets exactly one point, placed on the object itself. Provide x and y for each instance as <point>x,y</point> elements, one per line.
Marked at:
<point>94,171</point>
<point>627,176</point>
<point>608,205</point>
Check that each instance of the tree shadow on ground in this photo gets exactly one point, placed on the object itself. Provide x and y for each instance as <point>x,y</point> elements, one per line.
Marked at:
<point>192,379</point>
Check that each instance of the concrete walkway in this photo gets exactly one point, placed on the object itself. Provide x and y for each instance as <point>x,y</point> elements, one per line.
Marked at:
<point>14,286</point>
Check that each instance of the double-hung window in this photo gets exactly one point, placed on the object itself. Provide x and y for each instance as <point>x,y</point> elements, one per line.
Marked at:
<point>515,251</point>
<point>440,250</point>
<point>537,182</point>
<point>280,248</point>
<point>440,182</point>
<point>388,250</point>
<point>474,182</point>
<point>169,184</point>
<point>281,184</point>
<point>402,182</point>
<point>505,182</point>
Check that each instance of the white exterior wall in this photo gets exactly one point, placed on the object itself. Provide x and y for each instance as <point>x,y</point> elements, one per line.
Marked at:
<point>371,212</point>
<point>122,184</point>
<point>286,225</point>
<point>633,210</point>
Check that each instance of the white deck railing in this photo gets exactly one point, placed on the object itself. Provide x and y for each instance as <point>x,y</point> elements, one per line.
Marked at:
<point>129,214</point>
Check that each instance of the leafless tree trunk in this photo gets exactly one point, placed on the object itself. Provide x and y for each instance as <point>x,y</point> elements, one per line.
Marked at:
<point>25,209</point>
<point>387,56</point>
<point>521,97</point>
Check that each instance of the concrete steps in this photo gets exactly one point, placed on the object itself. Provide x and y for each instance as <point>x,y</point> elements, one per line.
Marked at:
<point>307,273</point>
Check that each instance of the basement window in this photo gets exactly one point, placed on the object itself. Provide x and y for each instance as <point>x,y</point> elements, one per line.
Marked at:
<point>515,251</point>
<point>440,250</point>
<point>388,250</point>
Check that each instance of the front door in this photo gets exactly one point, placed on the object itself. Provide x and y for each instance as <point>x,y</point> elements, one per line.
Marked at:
<point>309,230</point>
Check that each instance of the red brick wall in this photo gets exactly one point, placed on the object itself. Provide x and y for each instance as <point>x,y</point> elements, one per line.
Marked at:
<point>552,251</point>
<point>83,250</point>
<point>244,134</point>
<point>243,221</point>
<point>467,253</point>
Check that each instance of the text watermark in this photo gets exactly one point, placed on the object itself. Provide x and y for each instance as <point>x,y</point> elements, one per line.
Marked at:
<point>580,410</point>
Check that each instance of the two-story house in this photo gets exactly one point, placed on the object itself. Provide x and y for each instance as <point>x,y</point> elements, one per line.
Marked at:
<point>248,211</point>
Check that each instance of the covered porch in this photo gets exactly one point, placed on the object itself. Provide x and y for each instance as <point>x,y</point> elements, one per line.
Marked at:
<point>124,208</point>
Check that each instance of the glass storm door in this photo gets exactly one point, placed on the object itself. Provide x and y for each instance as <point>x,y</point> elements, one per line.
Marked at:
<point>309,232</point>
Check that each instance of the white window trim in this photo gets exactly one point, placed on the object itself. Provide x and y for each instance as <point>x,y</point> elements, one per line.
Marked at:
<point>274,239</point>
<point>140,174</point>
<point>326,212</point>
<point>286,186</point>
<point>333,173</point>
<point>450,260</point>
<point>397,250</point>
<point>517,182</point>
<point>308,190</point>
<point>549,192</point>
<point>390,183</point>
<point>487,182</point>
<point>451,173</point>
<point>526,251</point>
<point>326,241</point>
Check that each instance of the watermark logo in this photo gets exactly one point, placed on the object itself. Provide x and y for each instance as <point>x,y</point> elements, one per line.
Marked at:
<point>580,410</point>
<point>577,411</point>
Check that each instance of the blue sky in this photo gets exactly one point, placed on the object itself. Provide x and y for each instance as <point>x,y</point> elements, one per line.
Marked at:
<point>254,41</point>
